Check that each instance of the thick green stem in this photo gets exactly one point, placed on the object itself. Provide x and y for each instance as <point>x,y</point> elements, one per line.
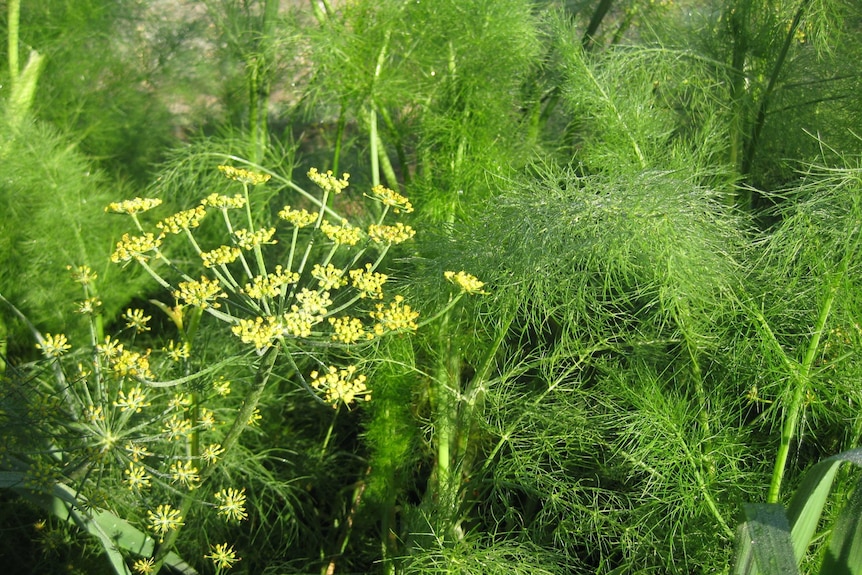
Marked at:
<point>794,410</point>
<point>763,106</point>
<point>446,394</point>
<point>598,15</point>
<point>12,41</point>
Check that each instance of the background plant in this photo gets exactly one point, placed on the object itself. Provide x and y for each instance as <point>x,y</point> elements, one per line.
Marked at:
<point>669,320</point>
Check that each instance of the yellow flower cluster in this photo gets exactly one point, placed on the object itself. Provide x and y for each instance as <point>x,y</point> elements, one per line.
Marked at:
<point>135,247</point>
<point>184,220</point>
<point>222,255</point>
<point>82,274</point>
<point>248,240</point>
<point>110,349</point>
<point>137,477</point>
<point>54,346</point>
<point>329,277</point>
<point>312,302</point>
<point>211,452</point>
<point>232,503</point>
<point>395,317</point>
<point>345,234</point>
<point>135,319</point>
<point>328,182</point>
<point>299,218</point>
<point>165,519</point>
<point>348,330</point>
<point>144,566</point>
<point>299,322</point>
<point>223,556</point>
<point>259,331</point>
<point>465,281</point>
<point>203,293</point>
<point>244,176</point>
<point>340,385</point>
<point>89,306</point>
<point>391,198</point>
<point>176,427</point>
<point>134,206</point>
<point>134,401</point>
<point>368,282</point>
<point>224,202</point>
<point>186,474</point>
<point>132,364</point>
<point>269,285</point>
<point>137,451</point>
<point>390,234</point>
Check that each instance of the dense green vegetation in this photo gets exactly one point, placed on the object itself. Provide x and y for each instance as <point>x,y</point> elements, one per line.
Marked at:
<point>588,301</point>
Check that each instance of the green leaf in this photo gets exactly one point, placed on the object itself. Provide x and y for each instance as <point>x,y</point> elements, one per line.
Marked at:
<point>115,534</point>
<point>844,556</point>
<point>807,504</point>
<point>765,544</point>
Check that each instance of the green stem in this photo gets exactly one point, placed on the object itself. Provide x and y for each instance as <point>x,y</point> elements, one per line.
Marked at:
<point>12,41</point>
<point>751,144</point>
<point>326,439</point>
<point>803,374</point>
<point>794,410</point>
<point>339,138</point>
<point>446,393</point>
<point>598,15</point>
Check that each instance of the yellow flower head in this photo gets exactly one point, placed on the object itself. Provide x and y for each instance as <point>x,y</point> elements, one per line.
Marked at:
<point>232,503</point>
<point>134,206</point>
<point>391,198</point>
<point>135,247</point>
<point>269,285</point>
<point>345,234</point>
<point>177,427</point>
<point>177,351</point>
<point>348,330</point>
<point>222,255</point>
<point>299,218</point>
<point>144,566</point>
<point>341,385</point>
<point>312,302</point>
<point>329,277</point>
<point>369,283</point>
<point>244,176</point>
<point>248,240</point>
<point>215,200</point>
<point>466,282</point>
<point>396,317</point>
<point>260,332</point>
<point>136,319</point>
<point>298,322</point>
<point>390,234</point>
<point>223,556</point>
<point>89,306</point>
<point>184,220</point>
<point>132,364</point>
<point>134,401</point>
<point>54,345</point>
<point>203,293</point>
<point>137,477</point>
<point>185,474</point>
<point>211,452</point>
<point>165,519</point>
<point>328,182</point>
<point>82,274</point>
